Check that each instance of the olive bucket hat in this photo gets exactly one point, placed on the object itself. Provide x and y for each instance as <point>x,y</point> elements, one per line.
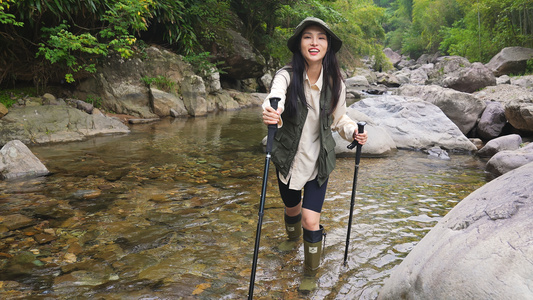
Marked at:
<point>294,42</point>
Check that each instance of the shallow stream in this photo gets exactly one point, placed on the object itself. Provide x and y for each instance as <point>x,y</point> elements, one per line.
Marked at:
<point>169,211</point>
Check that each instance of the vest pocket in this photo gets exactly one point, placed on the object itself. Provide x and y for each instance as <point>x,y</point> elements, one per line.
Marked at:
<point>326,163</point>
<point>281,151</point>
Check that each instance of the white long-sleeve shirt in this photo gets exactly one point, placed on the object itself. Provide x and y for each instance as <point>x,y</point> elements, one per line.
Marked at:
<point>304,166</point>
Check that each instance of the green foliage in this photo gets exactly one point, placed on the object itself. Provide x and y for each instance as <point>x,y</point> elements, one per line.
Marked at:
<point>289,15</point>
<point>94,100</point>
<point>474,29</point>
<point>161,82</point>
<point>7,100</point>
<point>65,48</point>
<point>8,97</point>
<point>189,23</point>
<point>78,52</point>
<point>6,18</point>
<point>529,66</point>
<point>202,63</point>
<point>361,30</point>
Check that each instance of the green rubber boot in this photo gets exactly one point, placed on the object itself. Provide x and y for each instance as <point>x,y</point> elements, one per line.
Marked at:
<point>293,226</point>
<point>312,256</point>
<point>312,248</point>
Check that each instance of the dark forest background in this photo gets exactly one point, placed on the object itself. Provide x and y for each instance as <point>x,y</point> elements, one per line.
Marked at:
<point>45,41</point>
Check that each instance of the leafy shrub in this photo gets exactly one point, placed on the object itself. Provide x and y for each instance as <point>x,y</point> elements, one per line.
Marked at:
<point>202,64</point>
<point>161,82</point>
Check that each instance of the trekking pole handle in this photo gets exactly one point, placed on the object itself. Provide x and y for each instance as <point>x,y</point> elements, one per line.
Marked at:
<point>272,128</point>
<point>360,129</point>
<point>274,102</point>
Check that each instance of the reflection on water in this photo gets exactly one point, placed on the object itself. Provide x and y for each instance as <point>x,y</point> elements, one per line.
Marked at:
<point>170,211</point>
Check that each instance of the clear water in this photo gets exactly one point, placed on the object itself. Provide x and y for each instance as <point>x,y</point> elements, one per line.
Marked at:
<point>169,211</point>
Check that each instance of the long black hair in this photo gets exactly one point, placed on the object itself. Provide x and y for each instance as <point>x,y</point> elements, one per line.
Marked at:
<point>332,78</point>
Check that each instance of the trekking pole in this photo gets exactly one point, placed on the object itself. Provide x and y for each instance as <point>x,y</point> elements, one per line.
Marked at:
<point>272,128</point>
<point>360,129</point>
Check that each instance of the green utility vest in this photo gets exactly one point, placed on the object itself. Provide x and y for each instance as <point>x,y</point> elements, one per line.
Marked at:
<point>287,138</point>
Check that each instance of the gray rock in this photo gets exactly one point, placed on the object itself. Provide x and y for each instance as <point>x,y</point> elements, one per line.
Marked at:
<point>510,60</point>
<point>437,152</point>
<point>47,124</point>
<point>518,103</point>
<point>462,108</point>
<point>413,123</point>
<point>266,81</point>
<point>420,75</point>
<point>508,142</point>
<point>387,79</point>
<point>81,105</point>
<point>223,101</point>
<point>118,83</point>
<point>379,143</point>
<point>163,103</point>
<point>492,121</point>
<point>194,94</point>
<point>240,59</point>
<point>49,99</point>
<point>427,59</point>
<point>508,160</point>
<point>520,115</point>
<point>393,57</point>
<point>17,161</point>
<point>523,81</point>
<point>357,82</point>
<point>504,93</point>
<point>480,250</point>
<point>504,79</point>
<point>458,73</point>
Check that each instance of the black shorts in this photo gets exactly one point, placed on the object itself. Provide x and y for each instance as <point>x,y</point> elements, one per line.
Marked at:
<point>313,195</point>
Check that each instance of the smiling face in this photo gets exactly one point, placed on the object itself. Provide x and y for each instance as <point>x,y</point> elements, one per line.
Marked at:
<point>314,44</point>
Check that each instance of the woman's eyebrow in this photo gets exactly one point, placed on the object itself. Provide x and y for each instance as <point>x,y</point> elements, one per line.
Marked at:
<point>309,32</point>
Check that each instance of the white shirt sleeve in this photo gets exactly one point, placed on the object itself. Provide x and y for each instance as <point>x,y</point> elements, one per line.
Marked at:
<point>280,84</point>
<point>343,124</point>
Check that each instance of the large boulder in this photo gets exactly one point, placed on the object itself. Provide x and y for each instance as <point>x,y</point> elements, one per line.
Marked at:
<point>122,84</point>
<point>458,73</point>
<point>393,57</point>
<point>379,144</point>
<point>194,95</point>
<point>388,79</point>
<point>240,59</point>
<point>481,249</point>
<point>17,161</point>
<point>163,103</point>
<point>355,87</point>
<point>508,142</point>
<point>52,123</point>
<point>517,101</point>
<point>510,60</point>
<point>492,121</point>
<point>523,81</point>
<point>413,123</point>
<point>118,83</point>
<point>507,160</point>
<point>520,115</point>
<point>462,108</point>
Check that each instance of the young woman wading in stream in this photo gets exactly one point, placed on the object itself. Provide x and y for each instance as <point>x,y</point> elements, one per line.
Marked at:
<point>312,104</point>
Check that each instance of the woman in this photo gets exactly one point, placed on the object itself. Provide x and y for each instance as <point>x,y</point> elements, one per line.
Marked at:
<point>313,102</point>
